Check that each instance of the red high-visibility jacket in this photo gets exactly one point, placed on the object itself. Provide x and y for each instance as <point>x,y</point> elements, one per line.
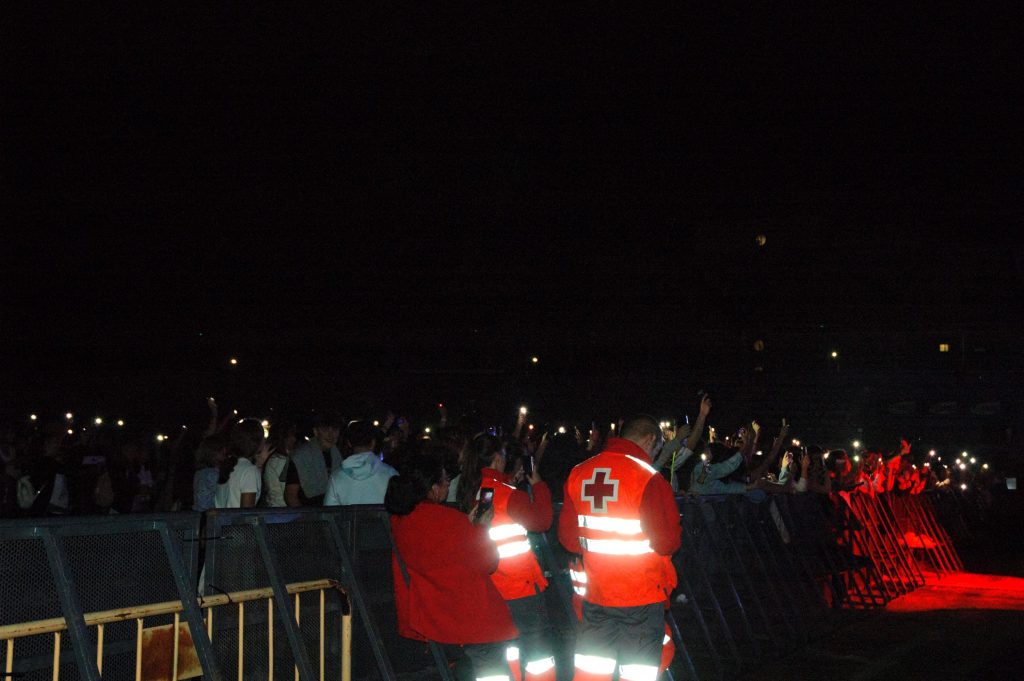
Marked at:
<point>518,574</point>
<point>621,516</point>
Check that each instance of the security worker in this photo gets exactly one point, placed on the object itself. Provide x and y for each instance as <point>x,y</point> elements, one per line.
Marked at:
<point>518,578</point>
<point>621,516</point>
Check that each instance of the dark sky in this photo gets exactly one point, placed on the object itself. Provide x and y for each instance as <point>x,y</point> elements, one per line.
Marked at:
<point>413,177</point>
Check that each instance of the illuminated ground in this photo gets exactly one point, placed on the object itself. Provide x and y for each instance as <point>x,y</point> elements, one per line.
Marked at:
<point>963,626</point>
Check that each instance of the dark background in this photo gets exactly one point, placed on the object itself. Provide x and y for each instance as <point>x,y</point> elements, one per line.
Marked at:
<point>402,206</point>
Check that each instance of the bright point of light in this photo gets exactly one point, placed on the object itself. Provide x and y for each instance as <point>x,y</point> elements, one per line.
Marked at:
<point>427,429</point>
<point>161,438</point>
<point>703,457</point>
<point>613,426</point>
<point>760,453</point>
<point>973,460</point>
<point>70,432</point>
<point>834,354</point>
<point>931,453</point>
<point>376,423</point>
<point>33,417</point>
<point>963,486</point>
<point>825,455</point>
<point>265,423</point>
<point>964,455</point>
<point>235,412</point>
<point>522,410</point>
<point>957,462</point>
<point>985,466</point>
<point>98,421</point>
<point>534,359</point>
<point>233,361</point>
<point>184,427</point>
<point>530,427</point>
<point>856,457</point>
<point>561,430</point>
<point>914,466</point>
<point>120,422</point>
<point>796,443</point>
<point>963,466</point>
<point>856,444</point>
<point>69,416</point>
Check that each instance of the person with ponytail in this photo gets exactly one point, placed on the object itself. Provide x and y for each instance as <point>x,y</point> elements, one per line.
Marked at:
<point>240,480</point>
<point>442,565</point>
<point>518,578</point>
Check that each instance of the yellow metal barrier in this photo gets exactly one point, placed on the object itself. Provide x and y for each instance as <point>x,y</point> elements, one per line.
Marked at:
<point>179,633</point>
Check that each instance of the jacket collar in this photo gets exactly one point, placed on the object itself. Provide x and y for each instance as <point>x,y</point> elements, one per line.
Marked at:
<point>618,445</point>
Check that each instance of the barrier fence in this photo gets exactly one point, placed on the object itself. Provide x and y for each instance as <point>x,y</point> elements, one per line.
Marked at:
<point>308,594</point>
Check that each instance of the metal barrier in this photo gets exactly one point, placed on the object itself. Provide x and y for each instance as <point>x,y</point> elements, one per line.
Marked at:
<point>758,576</point>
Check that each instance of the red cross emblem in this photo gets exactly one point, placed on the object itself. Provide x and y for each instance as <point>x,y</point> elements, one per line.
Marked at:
<point>599,489</point>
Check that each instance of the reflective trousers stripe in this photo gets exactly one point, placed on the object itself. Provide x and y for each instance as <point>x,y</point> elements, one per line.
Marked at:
<point>594,664</point>
<point>511,653</point>
<point>540,666</point>
<point>638,672</point>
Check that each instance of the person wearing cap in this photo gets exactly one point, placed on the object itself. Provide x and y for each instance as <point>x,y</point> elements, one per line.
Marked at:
<point>312,463</point>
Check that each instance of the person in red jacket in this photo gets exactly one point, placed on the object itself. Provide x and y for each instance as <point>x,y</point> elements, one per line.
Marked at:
<point>620,515</point>
<point>447,595</point>
<point>519,578</point>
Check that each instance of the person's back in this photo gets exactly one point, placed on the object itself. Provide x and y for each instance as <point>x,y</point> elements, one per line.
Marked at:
<point>362,479</point>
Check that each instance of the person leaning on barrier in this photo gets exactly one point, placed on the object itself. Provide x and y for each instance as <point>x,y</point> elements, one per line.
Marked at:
<point>312,463</point>
<point>677,450</point>
<point>519,578</point>
<point>718,462</point>
<point>443,588</point>
<point>362,477</point>
<point>620,514</point>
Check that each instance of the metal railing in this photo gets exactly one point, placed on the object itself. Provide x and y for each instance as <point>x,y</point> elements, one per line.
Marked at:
<point>151,660</point>
<point>757,577</point>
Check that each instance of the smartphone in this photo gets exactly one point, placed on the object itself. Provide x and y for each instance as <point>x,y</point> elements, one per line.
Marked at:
<point>485,502</point>
<point>528,466</point>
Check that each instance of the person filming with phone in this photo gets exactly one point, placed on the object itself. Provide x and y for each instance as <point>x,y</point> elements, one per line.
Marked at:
<point>519,579</point>
<point>442,564</point>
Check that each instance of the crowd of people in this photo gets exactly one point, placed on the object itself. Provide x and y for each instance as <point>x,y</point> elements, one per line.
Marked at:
<point>463,495</point>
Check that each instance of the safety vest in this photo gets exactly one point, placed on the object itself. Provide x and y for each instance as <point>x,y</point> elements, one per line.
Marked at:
<point>518,574</point>
<point>620,569</point>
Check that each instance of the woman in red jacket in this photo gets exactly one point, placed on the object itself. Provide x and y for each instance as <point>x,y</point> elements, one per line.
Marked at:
<point>449,596</point>
<point>518,578</point>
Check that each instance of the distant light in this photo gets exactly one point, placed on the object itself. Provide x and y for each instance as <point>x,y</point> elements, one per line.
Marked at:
<point>957,462</point>
<point>233,361</point>
<point>760,453</point>
<point>761,240</point>
<point>834,354</point>
<point>522,410</point>
<point>376,423</point>
<point>98,421</point>
<point>703,457</point>
<point>963,466</point>
<point>530,427</point>
<point>796,443</point>
<point>161,438</point>
<point>963,486</point>
<point>70,432</point>
<point>985,466</point>
<point>534,359</point>
<point>306,438</point>
<point>561,430</point>
<point>33,417</point>
<point>856,457</point>
<point>914,466</point>
<point>943,347</point>
<point>825,455</point>
<point>856,444</point>
<point>931,453</point>
<point>973,460</point>
<point>69,416</point>
<point>265,423</point>
<point>613,426</point>
<point>120,422</point>
<point>965,455</point>
<point>427,429</point>
<point>235,412</point>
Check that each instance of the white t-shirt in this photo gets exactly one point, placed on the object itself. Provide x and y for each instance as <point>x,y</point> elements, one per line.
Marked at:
<point>244,479</point>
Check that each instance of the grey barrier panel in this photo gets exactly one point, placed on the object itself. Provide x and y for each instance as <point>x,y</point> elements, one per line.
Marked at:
<point>97,563</point>
<point>260,548</point>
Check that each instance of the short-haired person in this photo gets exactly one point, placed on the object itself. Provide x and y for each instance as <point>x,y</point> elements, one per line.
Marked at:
<point>362,477</point>
<point>448,558</point>
<point>620,514</point>
<point>519,578</point>
<point>312,463</point>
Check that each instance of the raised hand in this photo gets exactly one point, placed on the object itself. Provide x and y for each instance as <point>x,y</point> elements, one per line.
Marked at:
<point>705,406</point>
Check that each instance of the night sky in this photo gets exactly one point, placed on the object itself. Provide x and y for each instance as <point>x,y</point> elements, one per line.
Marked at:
<point>429,188</point>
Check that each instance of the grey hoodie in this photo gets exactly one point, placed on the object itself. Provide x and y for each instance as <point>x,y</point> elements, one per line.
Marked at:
<point>362,479</point>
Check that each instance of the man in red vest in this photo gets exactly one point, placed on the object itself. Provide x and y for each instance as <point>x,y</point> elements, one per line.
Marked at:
<point>621,516</point>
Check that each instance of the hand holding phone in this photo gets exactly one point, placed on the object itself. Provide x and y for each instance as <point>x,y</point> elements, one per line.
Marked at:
<point>484,503</point>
